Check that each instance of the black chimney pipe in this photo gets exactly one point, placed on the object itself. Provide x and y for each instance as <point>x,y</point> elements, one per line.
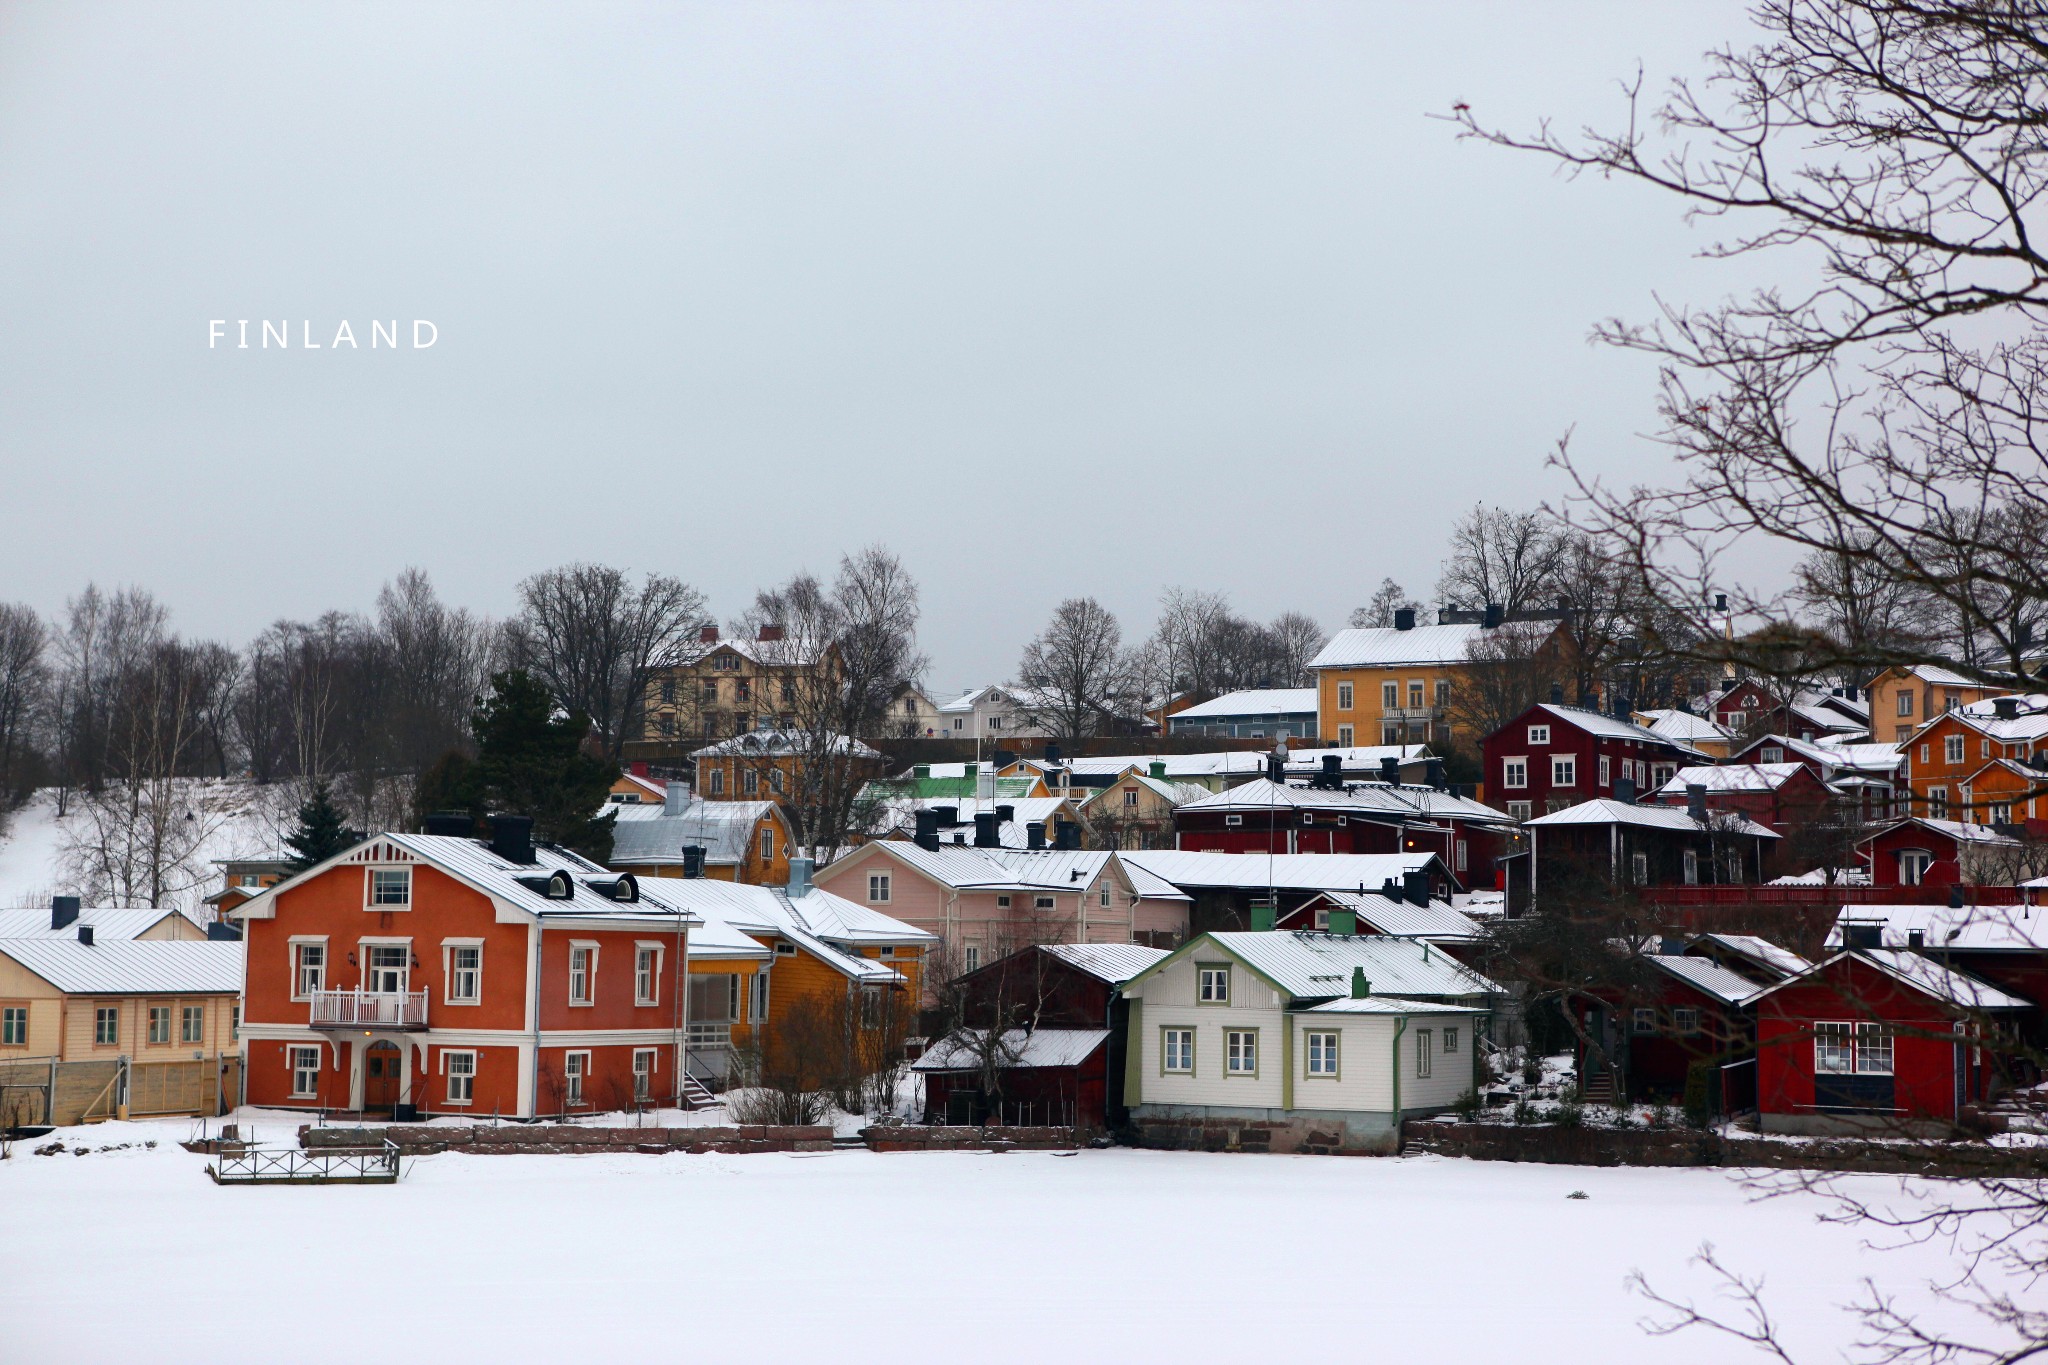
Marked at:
<point>512,838</point>
<point>1034,835</point>
<point>453,823</point>
<point>1625,790</point>
<point>63,911</point>
<point>693,860</point>
<point>1435,770</point>
<point>949,816</point>
<point>1493,615</point>
<point>1404,618</point>
<point>85,934</point>
<point>1052,754</point>
<point>1415,882</point>
<point>1005,814</point>
<point>1557,694</point>
<point>1696,801</point>
<point>985,830</point>
<point>1390,771</point>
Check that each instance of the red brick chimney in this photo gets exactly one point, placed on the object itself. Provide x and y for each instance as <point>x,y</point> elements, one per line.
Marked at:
<point>771,632</point>
<point>708,635</point>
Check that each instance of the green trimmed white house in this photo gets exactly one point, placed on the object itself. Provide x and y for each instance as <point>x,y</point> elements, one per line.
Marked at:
<point>1300,1041</point>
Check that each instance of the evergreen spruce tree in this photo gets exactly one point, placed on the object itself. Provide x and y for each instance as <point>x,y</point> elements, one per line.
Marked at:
<point>534,759</point>
<point>319,834</point>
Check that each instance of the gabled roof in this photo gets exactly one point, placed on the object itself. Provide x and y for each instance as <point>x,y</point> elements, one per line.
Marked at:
<point>1358,758</point>
<point>1610,727</point>
<point>1115,963</point>
<point>1384,645</point>
<point>1316,966</point>
<point>966,868</point>
<point>1609,812</point>
<point>1386,1004</point>
<point>1683,727</point>
<point>1281,871</point>
<point>2007,928</point>
<point>1704,974</point>
<point>768,743</point>
<point>1035,1048</point>
<point>1267,701</point>
<point>1837,753</point>
<point>1949,829</point>
<point>1436,921</point>
<point>1733,777</point>
<point>1779,961</point>
<point>723,829</point>
<point>967,701</point>
<point>108,925</point>
<point>1928,977</point>
<point>898,814</point>
<point>131,966</point>
<point>1228,762</point>
<point>1376,800</point>
<point>828,927</point>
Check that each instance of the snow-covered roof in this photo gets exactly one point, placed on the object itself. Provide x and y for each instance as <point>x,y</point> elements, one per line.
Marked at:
<point>108,925</point>
<point>1923,974</point>
<point>1943,677</point>
<point>1115,963</point>
<point>723,829</point>
<point>1264,701</point>
<point>1841,753</point>
<point>1705,974</point>
<point>825,925</point>
<point>1226,763</point>
<point>1384,645</point>
<point>1186,868</point>
<point>1033,1048</point>
<point>1609,727</point>
<point>964,867</point>
<point>1436,921</point>
<point>131,966</point>
<point>1950,829</point>
<point>1732,777</point>
<point>1357,758</point>
<point>1683,727</point>
<point>1994,927</point>
<point>899,813</point>
<point>1365,799</point>
<point>967,701</point>
<point>1763,952</point>
<point>1318,966</point>
<point>1381,1004</point>
<point>1609,812</point>
<point>772,742</point>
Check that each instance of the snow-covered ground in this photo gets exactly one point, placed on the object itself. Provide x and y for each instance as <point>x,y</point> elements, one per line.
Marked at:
<point>243,819</point>
<point>133,1255</point>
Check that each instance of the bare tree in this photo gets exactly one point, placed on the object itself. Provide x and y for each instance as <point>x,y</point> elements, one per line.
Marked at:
<point>597,640</point>
<point>105,637</point>
<point>1502,558</point>
<point>1378,613</point>
<point>24,695</point>
<point>439,660</point>
<point>1868,608</point>
<point>1296,638</point>
<point>1507,670</point>
<point>1076,669</point>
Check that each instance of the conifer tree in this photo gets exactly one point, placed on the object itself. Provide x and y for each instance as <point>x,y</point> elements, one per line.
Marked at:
<point>535,759</point>
<point>320,833</point>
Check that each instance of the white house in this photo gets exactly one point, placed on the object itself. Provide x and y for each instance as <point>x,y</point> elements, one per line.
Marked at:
<point>1299,1041</point>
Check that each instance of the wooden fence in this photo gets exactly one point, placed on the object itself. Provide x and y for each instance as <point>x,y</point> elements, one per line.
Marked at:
<point>46,1091</point>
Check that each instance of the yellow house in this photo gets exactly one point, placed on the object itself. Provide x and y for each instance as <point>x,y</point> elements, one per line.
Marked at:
<point>1904,699</point>
<point>1394,685</point>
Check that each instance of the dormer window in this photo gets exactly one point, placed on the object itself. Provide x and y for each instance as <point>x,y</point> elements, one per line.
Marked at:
<point>1539,734</point>
<point>391,888</point>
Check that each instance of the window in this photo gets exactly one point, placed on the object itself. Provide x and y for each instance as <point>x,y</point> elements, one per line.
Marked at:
<point>1390,696</point>
<point>1831,1049</point>
<point>1344,736</point>
<point>1443,692</point>
<point>1643,1021</point>
<point>760,996</point>
<point>750,782</point>
<point>106,1026</point>
<point>575,1067</point>
<point>309,968</point>
<point>1603,770</point>
<point>1464,857</point>
<point>1952,749</point>
<point>1002,902</point>
<point>1415,696</point>
<point>1905,702</point>
<point>1514,772</point>
<point>1130,798</point>
<point>1774,753</point>
<point>717,783</point>
<point>878,888</point>
<point>1639,863</point>
<point>235,1022</point>
<point>192,1024</point>
<point>1041,902</point>
<point>1241,1052</point>
<point>159,1024</point>
<point>1692,867</point>
<point>388,967</point>
<point>465,974</point>
<point>582,966</point>
<point>305,1065</point>
<point>1450,1041</point>
<point>1539,734</point>
<point>1735,720</point>
<point>973,957</point>
<point>647,975</point>
<point>1873,1050</point>
<point>461,1068</point>
<point>1564,770</point>
<point>746,689</point>
<point>1685,1019</point>
<point>391,886</point>
<point>709,691</point>
<point>1177,1051</point>
<point>1212,985</point>
<point>1229,820</point>
<point>643,1073</point>
<point>2001,813</point>
<point>1937,803</point>
<point>1520,810</point>
<point>1322,1055</point>
<point>668,691</point>
<point>1424,1052</point>
<point>1343,696</point>
<point>1102,896</point>
<point>14,1026</point>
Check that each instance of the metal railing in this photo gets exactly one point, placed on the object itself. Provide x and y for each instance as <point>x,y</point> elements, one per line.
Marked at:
<point>369,1009</point>
<point>366,1165</point>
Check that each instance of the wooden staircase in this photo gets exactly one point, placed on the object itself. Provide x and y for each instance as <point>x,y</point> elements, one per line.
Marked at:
<point>697,1095</point>
<point>1597,1087</point>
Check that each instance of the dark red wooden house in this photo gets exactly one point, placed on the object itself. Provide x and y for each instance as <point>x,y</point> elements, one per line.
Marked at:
<point>1553,756</point>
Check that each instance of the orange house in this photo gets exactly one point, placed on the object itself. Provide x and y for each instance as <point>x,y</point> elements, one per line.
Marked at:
<point>2006,791</point>
<point>736,841</point>
<point>440,974</point>
<point>770,765</point>
<point>1944,757</point>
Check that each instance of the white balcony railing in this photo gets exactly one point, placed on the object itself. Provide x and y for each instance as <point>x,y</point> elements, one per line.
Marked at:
<point>369,1009</point>
<point>707,1037</point>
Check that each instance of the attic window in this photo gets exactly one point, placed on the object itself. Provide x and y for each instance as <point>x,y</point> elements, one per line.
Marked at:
<point>785,950</point>
<point>1233,819</point>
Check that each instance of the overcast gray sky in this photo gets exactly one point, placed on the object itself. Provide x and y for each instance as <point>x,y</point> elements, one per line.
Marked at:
<point>1052,300</point>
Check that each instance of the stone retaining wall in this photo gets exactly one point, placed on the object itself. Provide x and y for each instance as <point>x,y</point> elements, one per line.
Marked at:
<point>1683,1147</point>
<point>521,1139</point>
<point>1312,1136</point>
<point>940,1138</point>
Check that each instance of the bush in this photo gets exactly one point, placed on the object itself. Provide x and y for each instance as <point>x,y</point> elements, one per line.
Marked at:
<point>1571,1112</point>
<point>1699,1106</point>
<point>1466,1106</point>
<point>1524,1112</point>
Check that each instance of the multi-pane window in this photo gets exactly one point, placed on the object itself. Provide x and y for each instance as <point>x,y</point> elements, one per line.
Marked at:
<point>391,886</point>
<point>1344,736</point>
<point>775,780</point>
<point>389,967</point>
<point>767,844</point>
<point>461,1076</point>
<point>973,958</point>
<point>878,888</point>
<point>1873,1050</point>
<point>309,970</point>
<point>1604,769</point>
<point>1685,1019</point>
<point>1344,696</point>
<point>159,1023</point>
<point>1644,1021</point>
<point>580,962</point>
<point>643,1073</point>
<point>717,783</point>
<point>1443,692</point>
<point>1212,985</point>
<point>1177,1050</point>
<point>1539,734</point>
<point>1390,695</point>
<point>1520,810</point>
<point>646,975</point>
<point>1832,1049</point>
<point>1241,1052</point>
<point>305,1064</point>
<point>1415,696</point>
<point>106,1025</point>
<point>1130,797</point>
<point>14,1026</point>
<point>1640,864</point>
<point>750,782</point>
<point>1041,902</point>
<point>1952,749</point>
<point>1322,1054</point>
<point>465,973</point>
<point>575,1066</point>
<point>1514,772</point>
<point>1450,1041</point>
<point>1425,1051</point>
<point>1102,896</point>
<point>1564,770</point>
<point>192,1024</point>
<point>1905,702</point>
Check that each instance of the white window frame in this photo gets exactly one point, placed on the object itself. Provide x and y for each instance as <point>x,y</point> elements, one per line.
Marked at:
<point>1230,820</point>
<point>1450,1041</point>
<point>1954,749</point>
<point>646,1060</point>
<point>575,1072</point>
<point>1044,903</point>
<point>973,957</point>
<point>1390,696</point>
<point>1881,1041</point>
<point>646,972</point>
<point>587,951</point>
<point>459,1066</point>
<point>1639,864</point>
<point>298,944</point>
<point>1345,696</point>
<point>1170,1054</point>
<point>188,1035</point>
<point>1538,734</point>
<point>1605,769</point>
<point>1514,772</point>
<point>452,971</point>
<point>1685,1020</point>
<point>1425,1054</point>
<point>878,888</point>
<point>1241,1053</point>
<point>1322,1050</point>
<point>1564,770</point>
<point>367,949</point>
<point>305,1079</point>
<point>1344,736</point>
<point>375,883</point>
<point>1521,810</point>
<point>1212,983</point>
<point>1834,1048</point>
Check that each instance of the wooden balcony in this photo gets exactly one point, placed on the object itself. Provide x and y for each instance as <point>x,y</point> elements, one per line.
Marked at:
<point>404,1010</point>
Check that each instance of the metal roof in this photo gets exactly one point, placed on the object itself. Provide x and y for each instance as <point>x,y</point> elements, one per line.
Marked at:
<point>1609,812</point>
<point>1992,927</point>
<point>1319,966</point>
<point>1732,777</point>
<point>1761,951</point>
<point>1706,975</point>
<point>1038,1047</point>
<point>1404,919</point>
<point>1610,727</point>
<point>1115,963</point>
<point>131,966</point>
<point>1281,871</point>
<point>1367,799</point>
<point>1268,701</point>
<point>1385,645</point>
<point>108,924</point>
<point>723,829</point>
<point>472,860</point>
<point>1380,1004</point>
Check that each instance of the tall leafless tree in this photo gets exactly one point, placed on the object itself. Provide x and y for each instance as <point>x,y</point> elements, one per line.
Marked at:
<point>1503,558</point>
<point>1378,612</point>
<point>1076,669</point>
<point>597,639</point>
<point>24,697</point>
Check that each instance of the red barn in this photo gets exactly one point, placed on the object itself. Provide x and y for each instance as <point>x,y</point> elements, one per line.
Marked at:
<point>1877,1040</point>
<point>1551,757</point>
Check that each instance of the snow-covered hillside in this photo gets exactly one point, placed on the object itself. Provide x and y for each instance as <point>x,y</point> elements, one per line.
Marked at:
<point>228,819</point>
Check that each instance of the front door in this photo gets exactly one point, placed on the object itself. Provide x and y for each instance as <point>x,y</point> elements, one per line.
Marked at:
<point>381,1075</point>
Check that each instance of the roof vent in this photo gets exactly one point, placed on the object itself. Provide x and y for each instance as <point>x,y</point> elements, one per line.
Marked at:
<point>2006,708</point>
<point>693,860</point>
<point>1696,801</point>
<point>1005,814</point>
<point>1157,768</point>
<point>1390,770</point>
<point>512,838</point>
<point>1034,834</point>
<point>800,877</point>
<point>985,835</point>
<point>85,934</point>
<point>1404,618</point>
<point>927,829</point>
